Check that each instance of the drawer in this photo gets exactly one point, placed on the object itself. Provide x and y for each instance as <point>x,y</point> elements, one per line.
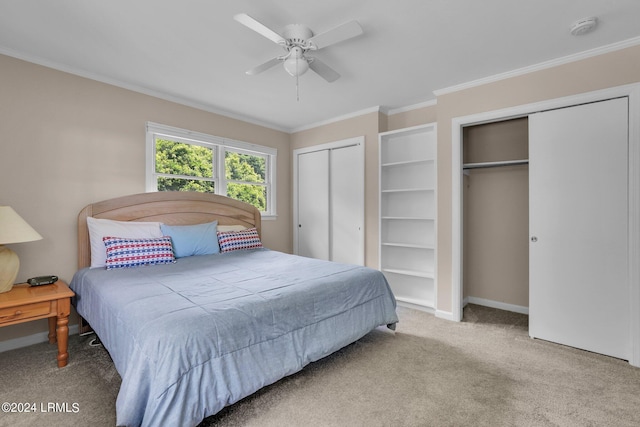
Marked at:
<point>24,311</point>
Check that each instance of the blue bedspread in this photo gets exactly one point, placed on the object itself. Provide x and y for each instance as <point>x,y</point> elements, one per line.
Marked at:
<point>192,337</point>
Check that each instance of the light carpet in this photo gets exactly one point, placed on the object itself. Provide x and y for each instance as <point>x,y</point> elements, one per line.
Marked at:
<point>484,371</point>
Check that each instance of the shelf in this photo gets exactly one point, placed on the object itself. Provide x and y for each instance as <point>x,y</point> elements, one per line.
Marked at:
<point>407,190</point>
<point>411,218</point>
<point>495,164</point>
<point>409,245</point>
<point>414,273</point>
<point>407,212</point>
<point>407,162</point>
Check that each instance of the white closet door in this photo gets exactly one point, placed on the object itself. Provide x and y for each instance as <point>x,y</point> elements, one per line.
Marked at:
<point>579,291</point>
<point>313,205</point>
<point>347,205</point>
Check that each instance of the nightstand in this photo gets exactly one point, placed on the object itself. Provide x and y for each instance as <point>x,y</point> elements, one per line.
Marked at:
<point>24,303</point>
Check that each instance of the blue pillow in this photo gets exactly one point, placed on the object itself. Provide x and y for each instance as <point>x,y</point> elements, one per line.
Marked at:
<point>188,240</point>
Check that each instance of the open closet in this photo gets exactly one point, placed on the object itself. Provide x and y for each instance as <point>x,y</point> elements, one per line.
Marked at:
<point>545,222</point>
<point>496,214</point>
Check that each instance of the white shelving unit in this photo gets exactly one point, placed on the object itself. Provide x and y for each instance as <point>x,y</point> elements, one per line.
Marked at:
<point>408,214</point>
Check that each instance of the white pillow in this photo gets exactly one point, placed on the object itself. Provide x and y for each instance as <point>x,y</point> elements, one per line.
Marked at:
<point>225,228</point>
<point>99,228</point>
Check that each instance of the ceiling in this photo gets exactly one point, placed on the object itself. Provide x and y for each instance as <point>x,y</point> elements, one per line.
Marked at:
<point>194,52</point>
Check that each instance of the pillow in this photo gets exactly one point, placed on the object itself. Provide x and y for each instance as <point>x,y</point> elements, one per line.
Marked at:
<point>188,240</point>
<point>125,252</point>
<point>239,240</point>
<point>99,228</point>
<point>231,227</point>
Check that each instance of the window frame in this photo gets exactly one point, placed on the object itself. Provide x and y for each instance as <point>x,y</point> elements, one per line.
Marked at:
<point>219,146</point>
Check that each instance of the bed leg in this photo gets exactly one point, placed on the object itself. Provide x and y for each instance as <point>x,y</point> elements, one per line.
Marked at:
<point>392,326</point>
<point>83,327</point>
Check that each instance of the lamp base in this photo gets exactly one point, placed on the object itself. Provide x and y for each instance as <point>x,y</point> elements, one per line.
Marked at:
<point>9,266</point>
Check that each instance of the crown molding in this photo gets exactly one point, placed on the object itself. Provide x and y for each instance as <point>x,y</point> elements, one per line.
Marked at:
<point>429,103</point>
<point>375,109</point>
<point>540,66</point>
<point>380,109</point>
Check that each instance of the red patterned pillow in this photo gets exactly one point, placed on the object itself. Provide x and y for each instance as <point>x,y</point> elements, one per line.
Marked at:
<point>124,252</point>
<point>239,240</point>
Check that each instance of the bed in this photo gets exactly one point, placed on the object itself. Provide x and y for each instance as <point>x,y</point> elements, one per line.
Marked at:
<point>194,335</point>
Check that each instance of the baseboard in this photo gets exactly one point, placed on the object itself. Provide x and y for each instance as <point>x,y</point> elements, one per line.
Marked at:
<point>447,315</point>
<point>415,306</point>
<point>496,304</point>
<point>28,340</point>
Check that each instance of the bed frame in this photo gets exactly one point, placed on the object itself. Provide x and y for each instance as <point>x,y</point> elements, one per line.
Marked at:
<point>169,207</point>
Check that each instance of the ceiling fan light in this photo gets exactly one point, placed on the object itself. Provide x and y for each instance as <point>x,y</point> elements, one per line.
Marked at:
<point>296,66</point>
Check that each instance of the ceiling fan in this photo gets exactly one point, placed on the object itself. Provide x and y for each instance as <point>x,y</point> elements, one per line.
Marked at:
<point>297,41</point>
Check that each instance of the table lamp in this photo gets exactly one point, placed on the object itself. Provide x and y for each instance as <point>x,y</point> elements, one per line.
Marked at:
<point>13,229</point>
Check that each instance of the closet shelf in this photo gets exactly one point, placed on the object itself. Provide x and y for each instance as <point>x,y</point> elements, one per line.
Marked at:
<point>495,164</point>
<point>415,273</point>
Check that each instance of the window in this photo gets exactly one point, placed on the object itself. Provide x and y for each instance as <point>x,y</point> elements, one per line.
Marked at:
<point>181,160</point>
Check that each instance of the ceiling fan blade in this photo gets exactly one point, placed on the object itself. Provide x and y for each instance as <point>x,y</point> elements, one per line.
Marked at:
<point>323,70</point>
<point>263,67</point>
<point>259,28</point>
<point>336,35</point>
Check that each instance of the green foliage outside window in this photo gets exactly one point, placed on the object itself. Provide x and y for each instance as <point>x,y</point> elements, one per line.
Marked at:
<point>190,160</point>
<point>246,168</point>
<point>176,158</point>
<point>179,184</point>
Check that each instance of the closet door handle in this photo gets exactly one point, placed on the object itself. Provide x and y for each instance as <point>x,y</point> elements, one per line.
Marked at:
<point>534,239</point>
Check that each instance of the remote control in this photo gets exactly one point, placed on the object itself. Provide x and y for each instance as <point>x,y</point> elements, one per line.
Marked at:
<point>42,280</point>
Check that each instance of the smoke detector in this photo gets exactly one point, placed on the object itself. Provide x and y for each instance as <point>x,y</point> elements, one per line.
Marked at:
<point>583,26</point>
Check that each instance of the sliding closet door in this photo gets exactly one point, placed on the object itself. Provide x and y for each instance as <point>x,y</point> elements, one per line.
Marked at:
<point>347,205</point>
<point>329,190</point>
<point>579,291</point>
<point>313,205</point>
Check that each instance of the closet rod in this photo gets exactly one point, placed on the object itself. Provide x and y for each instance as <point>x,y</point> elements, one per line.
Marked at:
<point>494,164</point>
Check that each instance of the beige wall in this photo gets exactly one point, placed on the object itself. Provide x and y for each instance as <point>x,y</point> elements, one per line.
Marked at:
<point>69,141</point>
<point>416,117</point>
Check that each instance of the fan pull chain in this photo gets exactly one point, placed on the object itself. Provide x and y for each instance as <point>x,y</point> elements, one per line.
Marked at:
<point>297,86</point>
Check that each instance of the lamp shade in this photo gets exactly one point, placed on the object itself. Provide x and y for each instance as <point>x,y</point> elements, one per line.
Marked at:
<point>14,229</point>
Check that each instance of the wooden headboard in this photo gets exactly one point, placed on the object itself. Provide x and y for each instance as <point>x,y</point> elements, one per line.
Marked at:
<point>168,207</point>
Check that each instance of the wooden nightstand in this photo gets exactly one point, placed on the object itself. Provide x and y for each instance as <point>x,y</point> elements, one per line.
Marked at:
<point>24,303</point>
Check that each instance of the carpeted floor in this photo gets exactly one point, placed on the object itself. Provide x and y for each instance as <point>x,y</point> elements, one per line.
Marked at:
<point>484,371</point>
